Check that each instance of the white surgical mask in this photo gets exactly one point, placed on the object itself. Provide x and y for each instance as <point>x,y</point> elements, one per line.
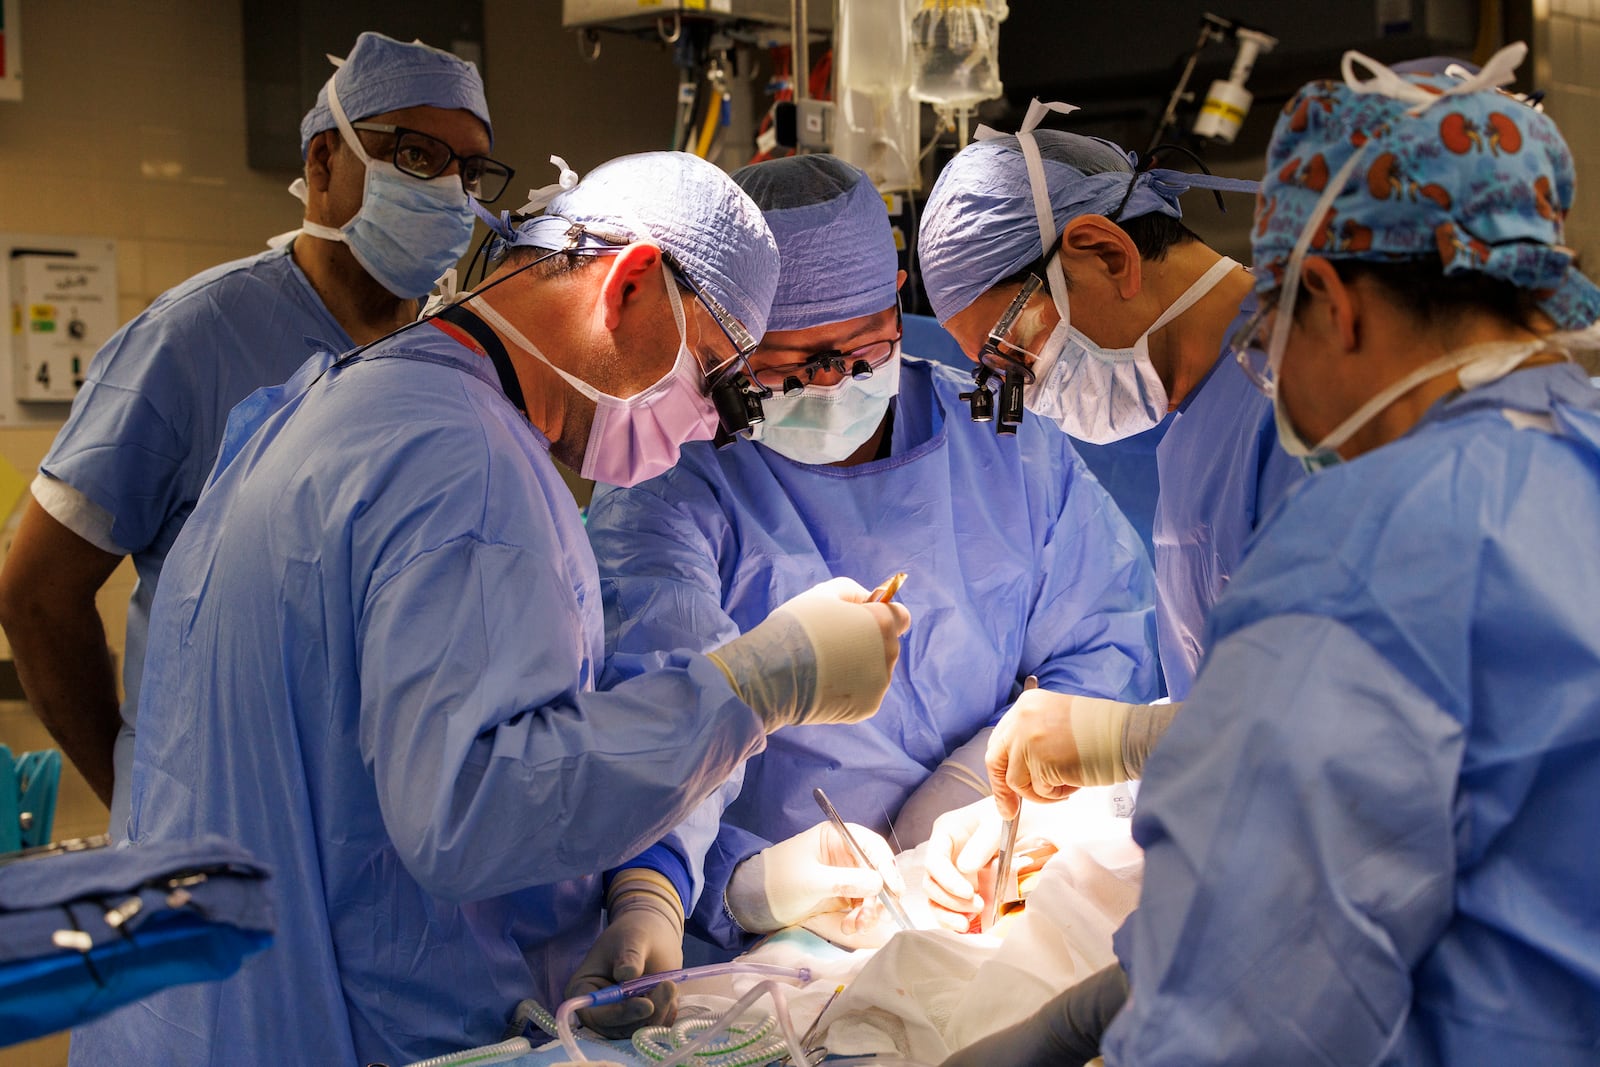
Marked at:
<point>1099,394</point>
<point>827,423</point>
<point>634,438</point>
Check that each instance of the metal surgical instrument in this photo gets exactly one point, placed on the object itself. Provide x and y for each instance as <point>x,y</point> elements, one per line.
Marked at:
<point>886,896</point>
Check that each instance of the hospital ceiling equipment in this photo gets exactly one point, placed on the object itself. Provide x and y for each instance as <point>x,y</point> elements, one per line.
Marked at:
<point>856,81</point>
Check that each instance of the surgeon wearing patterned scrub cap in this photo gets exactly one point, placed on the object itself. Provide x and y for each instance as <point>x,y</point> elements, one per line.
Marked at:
<point>1368,836</point>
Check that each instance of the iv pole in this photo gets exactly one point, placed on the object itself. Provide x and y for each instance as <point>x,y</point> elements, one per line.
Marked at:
<point>1212,28</point>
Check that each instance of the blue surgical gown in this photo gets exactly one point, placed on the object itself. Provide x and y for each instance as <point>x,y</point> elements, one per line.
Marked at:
<point>371,663</point>
<point>148,421</point>
<point>1370,836</point>
<point>1018,564</point>
<point>1129,471</point>
<point>1221,471</point>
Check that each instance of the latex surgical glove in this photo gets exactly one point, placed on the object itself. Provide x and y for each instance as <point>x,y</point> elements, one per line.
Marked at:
<point>824,656</point>
<point>1049,745</point>
<point>961,779</point>
<point>644,935</point>
<point>814,879</point>
<point>960,848</point>
<point>1065,1032</point>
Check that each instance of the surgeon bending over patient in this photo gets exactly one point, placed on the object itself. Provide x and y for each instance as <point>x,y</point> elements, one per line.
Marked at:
<point>867,464</point>
<point>1369,835</point>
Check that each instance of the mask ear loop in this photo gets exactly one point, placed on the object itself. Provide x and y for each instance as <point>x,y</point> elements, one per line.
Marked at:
<point>346,131</point>
<point>1291,272</point>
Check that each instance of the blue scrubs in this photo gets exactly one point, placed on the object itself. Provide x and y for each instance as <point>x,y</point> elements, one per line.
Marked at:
<point>1130,472</point>
<point>1126,468</point>
<point>1018,564</point>
<point>147,423</point>
<point>372,663</point>
<point>1369,838</point>
<point>1221,471</point>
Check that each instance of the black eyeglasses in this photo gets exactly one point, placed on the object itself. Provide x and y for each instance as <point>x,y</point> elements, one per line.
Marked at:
<point>860,363</point>
<point>424,156</point>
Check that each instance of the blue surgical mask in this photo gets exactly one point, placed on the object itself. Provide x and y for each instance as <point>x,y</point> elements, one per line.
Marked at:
<point>827,423</point>
<point>409,231</point>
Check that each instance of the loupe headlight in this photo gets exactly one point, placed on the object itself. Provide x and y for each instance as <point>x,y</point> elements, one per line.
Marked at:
<point>737,399</point>
<point>980,401</point>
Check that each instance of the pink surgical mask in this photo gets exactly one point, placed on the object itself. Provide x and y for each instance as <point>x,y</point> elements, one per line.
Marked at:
<point>637,437</point>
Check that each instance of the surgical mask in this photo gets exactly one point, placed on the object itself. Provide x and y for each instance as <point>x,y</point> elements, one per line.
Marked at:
<point>1099,394</point>
<point>634,438</point>
<point>409,231</point>
<point>827,423</point>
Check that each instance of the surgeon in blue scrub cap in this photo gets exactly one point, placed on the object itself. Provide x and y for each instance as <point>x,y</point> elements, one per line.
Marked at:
<point>1111,314</point>
<point>374,655</point>
<point>1369,835</point>
<point>867,465</point>
<point>1123,322</point>
<point>125,471</point>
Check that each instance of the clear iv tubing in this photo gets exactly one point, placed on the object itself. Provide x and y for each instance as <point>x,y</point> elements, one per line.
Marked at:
<point>617,993</point>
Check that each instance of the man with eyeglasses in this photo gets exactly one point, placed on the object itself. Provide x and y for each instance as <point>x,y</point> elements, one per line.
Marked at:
<point>865,465</point>
<point>386,214</point>
<point>1067,273</point>
<point>376,655</point>
<point>1369,837</point>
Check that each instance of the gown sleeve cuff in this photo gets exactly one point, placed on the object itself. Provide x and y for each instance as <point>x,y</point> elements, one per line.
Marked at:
<point>665,861</point>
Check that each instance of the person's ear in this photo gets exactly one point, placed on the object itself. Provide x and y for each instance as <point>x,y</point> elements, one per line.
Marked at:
<point>1094,242</point>
<point>1334,307</point>
<point>899,280</point>
<point>627,279</point>
<point>319,160</point>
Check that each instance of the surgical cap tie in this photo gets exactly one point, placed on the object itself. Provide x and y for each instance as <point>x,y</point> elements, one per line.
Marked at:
<point>539,199</point>
<point>1039,185</point>
<point>1500,70</point>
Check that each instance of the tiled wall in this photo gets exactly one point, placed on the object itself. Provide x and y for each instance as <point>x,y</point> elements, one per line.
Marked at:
<point>1567,65</point>
<point>132,127</point>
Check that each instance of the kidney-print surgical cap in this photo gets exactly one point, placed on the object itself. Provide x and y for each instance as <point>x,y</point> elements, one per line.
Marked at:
<point>1397,167</point>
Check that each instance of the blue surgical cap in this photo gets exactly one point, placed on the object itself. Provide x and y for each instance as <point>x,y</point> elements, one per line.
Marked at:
<point>695,213</point>
<point>980,225</point>
<point>837,251</point>
<point>382,74</point>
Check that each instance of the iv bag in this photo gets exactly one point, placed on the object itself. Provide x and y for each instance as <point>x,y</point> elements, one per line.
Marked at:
<point>875,119</point>
<point>954,51</point>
